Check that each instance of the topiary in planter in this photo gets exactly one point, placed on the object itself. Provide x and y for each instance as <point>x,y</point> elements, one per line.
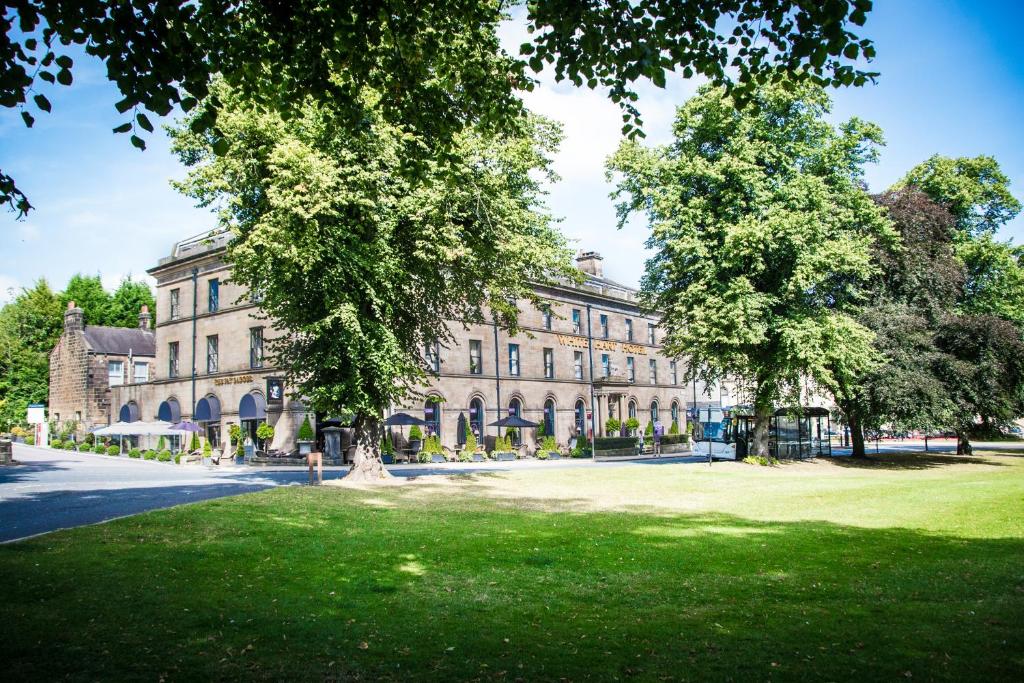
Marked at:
<point>264,433</point>
<point>149,455</point>
<point>99,449</point>
<point>306,430</point>
<point>194,443</point>
<point>135,453</point>
<point>113,450</point>
<point>164,456</point>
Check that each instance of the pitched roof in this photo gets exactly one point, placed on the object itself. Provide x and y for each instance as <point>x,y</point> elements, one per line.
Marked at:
<point>121,340</point>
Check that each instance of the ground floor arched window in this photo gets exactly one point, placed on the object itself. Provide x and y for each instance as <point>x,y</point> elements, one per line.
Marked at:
<point>476,418</point>
<point>654,412</point>
<point>515,407</point>
<point>432,415</point>
<point>581,417</point>
<point>549,417</point>
<point>675,412</point>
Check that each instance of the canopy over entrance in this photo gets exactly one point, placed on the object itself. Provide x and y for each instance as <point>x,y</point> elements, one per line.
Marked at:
<point>252,407</point>
<point>207,410</point>
<point>169,411</point>
<point>129,412</point>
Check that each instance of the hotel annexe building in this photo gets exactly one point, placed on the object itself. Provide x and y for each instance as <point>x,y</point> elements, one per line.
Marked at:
<point>542,374</point>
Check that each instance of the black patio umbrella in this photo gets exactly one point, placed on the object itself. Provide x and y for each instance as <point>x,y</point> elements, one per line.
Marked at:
<point>513,421</point>
<point>403,420</point>
<point>461,434</point>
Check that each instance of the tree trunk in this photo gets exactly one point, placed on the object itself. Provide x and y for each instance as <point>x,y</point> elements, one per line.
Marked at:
<point>762,419</point>
<point>963,444</point>
<point>367,465</point>
<point>856,436</point>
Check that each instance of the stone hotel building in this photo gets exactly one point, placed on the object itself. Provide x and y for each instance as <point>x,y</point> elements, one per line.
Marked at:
<point>591,350</point>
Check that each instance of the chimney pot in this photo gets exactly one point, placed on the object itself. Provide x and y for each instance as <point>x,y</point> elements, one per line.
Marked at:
<point>74,319</point>
<point>144,317</point>
<point>590,262</point>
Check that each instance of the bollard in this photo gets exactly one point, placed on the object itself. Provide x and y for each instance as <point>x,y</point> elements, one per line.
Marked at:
<point>317,458</point>
<point>6,452</point>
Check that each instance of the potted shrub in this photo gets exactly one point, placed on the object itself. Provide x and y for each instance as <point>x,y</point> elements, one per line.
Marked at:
<point>306,437</point>
<point>503,448</point>
<point>235,432</point>
<point>674,427</point>
<point>415,439</point>
<point>548,449</point>
<point>135,453</point>
<point>387,451</point>
<point>468,448</point>
<point>612,426</point>
<point>99,449</point>
<point>113,450</point>
<point>265,434</point>
<point>632,424</point>
<point>207,453</point>
<point>164,456</point>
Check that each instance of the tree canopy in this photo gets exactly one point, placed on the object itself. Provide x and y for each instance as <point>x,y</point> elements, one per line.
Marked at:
<point>975,190</point>
<point>360,265</point>
<point>762,235</point>
<point>437,66</point>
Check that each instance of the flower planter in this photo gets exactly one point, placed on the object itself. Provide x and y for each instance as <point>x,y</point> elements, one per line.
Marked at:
<point>387,459</point>
<point>478,457</point>
<point>505,455</point>
<point>436,457</point>
<point>552,455</point>
<point>305,447</point>
<point>415,445</point>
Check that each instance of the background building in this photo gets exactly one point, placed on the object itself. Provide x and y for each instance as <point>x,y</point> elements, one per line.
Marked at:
<point>88,362</point>
<point>211,363</point>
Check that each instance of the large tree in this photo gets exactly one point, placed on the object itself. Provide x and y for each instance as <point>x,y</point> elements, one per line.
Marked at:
<point>762,235</point>
<point>126,302</point>
<point>915,288</point>
<point>29,328</point>
<point>88,294</point>
<point>974,189</point>
<point>360,265</point>
<point>437,66</point>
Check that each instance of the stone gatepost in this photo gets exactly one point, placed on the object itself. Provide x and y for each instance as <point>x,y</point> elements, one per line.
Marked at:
<point>6,452</point>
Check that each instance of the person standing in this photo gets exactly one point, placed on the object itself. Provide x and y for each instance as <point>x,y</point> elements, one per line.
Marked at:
<point>659,431</point>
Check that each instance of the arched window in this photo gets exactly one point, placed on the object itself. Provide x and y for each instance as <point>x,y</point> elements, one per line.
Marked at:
<point>549,417</point>
<point>515,407</point>
<point>654,412</point>
<point>675,411</point>
<point>581,417</point>
<point>432,415</point>
<point>632,409</point>
<point>476,417</point>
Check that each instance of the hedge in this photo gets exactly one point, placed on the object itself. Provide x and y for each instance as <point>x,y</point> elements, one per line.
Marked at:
<point>674,438</point>
<point>611,443</point>
<point>113,450</point>
<point>134,453</point>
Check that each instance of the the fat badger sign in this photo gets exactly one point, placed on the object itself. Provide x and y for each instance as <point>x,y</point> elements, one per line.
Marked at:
<point>275,390</point>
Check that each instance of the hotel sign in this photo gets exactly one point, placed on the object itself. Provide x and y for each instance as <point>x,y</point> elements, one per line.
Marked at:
<point>601,344</point>
<point>241,379</point>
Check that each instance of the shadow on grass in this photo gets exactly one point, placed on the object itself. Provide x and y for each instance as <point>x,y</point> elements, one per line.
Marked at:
<point>396,585</point>
<point>916,460</point>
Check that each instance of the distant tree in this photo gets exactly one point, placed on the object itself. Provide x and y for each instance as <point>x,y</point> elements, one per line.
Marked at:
<point>360,263</point>
<point>126,302</point>
<point>438,66</point>
<point>763,239</point>
<point>916,287</point>
<point>88,294</point>
<point>984,372</point>
<point>975,190</point>
<point>29,328</point>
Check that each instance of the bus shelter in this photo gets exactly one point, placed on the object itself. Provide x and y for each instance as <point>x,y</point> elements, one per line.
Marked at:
<point>793,433</point>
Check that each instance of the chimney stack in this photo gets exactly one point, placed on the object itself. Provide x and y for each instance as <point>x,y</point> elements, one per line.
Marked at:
<point>144,317</point>
<point>74,318</point>
<point>590,262</point>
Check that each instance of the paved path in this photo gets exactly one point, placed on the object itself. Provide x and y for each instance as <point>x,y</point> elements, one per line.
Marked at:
<point>53,489</point>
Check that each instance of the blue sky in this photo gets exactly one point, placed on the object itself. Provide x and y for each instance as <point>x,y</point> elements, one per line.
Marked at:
<point>952,83</point>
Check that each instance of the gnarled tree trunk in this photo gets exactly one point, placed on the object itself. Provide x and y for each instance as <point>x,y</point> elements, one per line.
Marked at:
<point>366,464</point>
<point>963,444</point>
<point>856,435</point>
<point>763,410</point>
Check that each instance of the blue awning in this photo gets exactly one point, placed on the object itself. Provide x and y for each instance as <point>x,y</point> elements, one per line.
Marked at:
<point>169,411</point>
<point>129,412</point>
<point>252,407</point>
<point>207,410</point>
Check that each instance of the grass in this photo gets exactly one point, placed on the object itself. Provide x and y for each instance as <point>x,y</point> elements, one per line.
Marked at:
<point>905,567</point>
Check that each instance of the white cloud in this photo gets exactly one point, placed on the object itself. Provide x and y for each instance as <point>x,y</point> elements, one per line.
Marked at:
<point>8,288</point>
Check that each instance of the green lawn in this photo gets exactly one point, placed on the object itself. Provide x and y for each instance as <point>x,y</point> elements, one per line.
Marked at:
<point>909,569</point>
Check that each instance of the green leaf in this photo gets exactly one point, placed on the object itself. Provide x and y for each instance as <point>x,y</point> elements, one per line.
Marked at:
<point>64,62</point>
<point>138,142</point>
<point>47,76</point>
<point>124,105</point>
<point>64,77</point>
<point>188,103</point>
<point>123,128</point>
<point>42,102</point>
<point>221,147</point>
<point>851,51</point>
<point>28,119</point>
<point>144,122</point>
